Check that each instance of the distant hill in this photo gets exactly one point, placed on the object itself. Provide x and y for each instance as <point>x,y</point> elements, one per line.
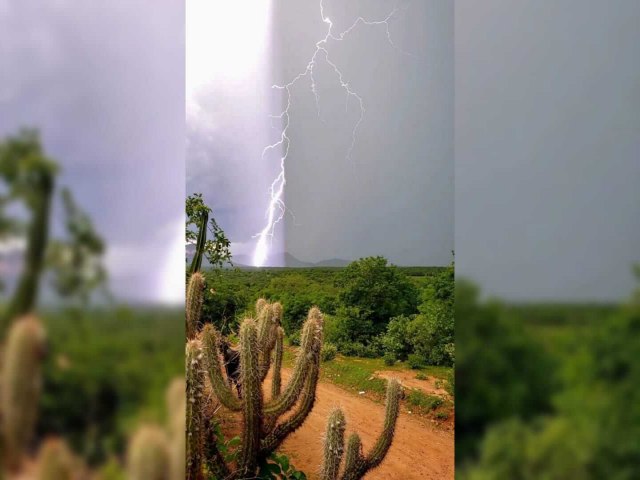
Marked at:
<point>244,261</point>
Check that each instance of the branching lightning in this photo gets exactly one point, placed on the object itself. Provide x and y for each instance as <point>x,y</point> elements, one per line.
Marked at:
<point>276,209</point>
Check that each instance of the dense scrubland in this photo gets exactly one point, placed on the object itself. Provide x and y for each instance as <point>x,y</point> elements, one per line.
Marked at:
<point>372,309</point>
<point>546,390</point>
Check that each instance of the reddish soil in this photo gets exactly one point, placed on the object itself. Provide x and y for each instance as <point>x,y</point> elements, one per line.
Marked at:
<point>419,450</point>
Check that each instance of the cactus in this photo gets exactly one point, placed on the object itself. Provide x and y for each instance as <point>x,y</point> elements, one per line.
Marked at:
<point>148,454</point>
<point>55,461</point>
<point>268,422</point>
<point>196,263</point>
<point>195,298</point>
<point>357,464</point>
<point>21,383</point>
<point>26,167</point>
<point>333,445</point>
<point>176,412</point>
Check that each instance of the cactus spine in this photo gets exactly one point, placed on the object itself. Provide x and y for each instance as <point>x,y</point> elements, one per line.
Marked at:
<point>149,454</point>
<point>21,383</point>
<point>195,298</point>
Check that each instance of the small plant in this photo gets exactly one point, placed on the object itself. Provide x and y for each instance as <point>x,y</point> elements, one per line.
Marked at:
<point>328,352</point>
<point>442,416</point>
<point>415,361</point>
<point>389,359</point>
<point>422,376</point>
<point>420,399</point>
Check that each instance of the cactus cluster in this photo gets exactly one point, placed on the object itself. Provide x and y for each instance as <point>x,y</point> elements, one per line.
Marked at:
<point>267,420</point>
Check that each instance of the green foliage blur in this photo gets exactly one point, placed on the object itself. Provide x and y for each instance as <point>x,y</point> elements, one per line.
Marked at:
<point>371,308</point>
<point>106,370</point>
<point>547,391</point>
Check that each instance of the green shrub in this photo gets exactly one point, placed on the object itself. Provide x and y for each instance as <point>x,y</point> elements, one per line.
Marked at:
<point>416,361</point>
<point>442,415</point>
<point>389,359</point>
<point>421,376</point>
<point>294,339</point>
<point>328,352</point>
<point>420,399</point>
<point>352,349</point>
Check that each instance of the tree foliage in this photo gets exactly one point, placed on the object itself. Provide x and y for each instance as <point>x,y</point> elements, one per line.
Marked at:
<point>217,248</point>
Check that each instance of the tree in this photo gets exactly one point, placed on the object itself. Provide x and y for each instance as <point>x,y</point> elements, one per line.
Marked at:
<point>28,177</point>
<point>372,293</point>
<point>216,250</point>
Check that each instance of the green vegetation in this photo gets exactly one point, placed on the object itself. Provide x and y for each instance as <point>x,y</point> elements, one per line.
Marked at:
<point>556,395</point>
<point>372,309</point>
<point>97,381</point>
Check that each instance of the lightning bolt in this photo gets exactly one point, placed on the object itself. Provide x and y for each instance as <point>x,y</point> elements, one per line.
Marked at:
<point>276,209</point>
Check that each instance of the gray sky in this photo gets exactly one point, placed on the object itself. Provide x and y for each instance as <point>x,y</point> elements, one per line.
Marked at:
<point>548,147</point>
<point>104,82</point>
<point>395,196</point>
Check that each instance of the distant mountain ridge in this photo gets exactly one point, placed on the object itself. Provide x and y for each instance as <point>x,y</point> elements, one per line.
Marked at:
<point>245,261</point>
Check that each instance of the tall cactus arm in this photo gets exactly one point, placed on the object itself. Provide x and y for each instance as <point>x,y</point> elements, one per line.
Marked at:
<point>195,405</point>
<point>267,328</point>
<point>357,468</point>
<point>333,445</point>
<point>354,454</point>
<point>196,263</point>
<point>289,396</point>
<point>252,404</point>
<point>210,342</point>
<point>277,364</point>
<point>194,300</point>
<point>274,439</point>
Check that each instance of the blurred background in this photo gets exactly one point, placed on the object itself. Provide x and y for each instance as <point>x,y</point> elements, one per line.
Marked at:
<point>91,234</point>
<point>547,227</point>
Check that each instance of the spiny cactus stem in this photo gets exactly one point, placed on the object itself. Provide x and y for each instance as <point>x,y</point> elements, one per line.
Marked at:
<point>333,445</point>
<point>210,347</point>
<point>252,399</point>
<point>277,365</point>
<point>287,399</point>
<point>194,301</point>
<point>357,465</point>
<point>195,407</point>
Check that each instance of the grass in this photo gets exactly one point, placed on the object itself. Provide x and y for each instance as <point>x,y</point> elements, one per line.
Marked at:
<point>356,375</point>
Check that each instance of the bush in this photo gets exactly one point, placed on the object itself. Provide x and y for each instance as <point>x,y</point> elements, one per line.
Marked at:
<point>328,352</point>
<point>421,376</point>
<point>416,361</point>
<point>419,399</point>
<point>352,349</point>
<point>389,359</point>
<point>396,340</point>
<point>294,339</point>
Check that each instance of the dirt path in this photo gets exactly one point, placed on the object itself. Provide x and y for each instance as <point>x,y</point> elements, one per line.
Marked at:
<point>418,451</point>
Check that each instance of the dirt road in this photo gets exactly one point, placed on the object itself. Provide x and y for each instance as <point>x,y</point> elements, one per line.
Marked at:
<point>419,451</point>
